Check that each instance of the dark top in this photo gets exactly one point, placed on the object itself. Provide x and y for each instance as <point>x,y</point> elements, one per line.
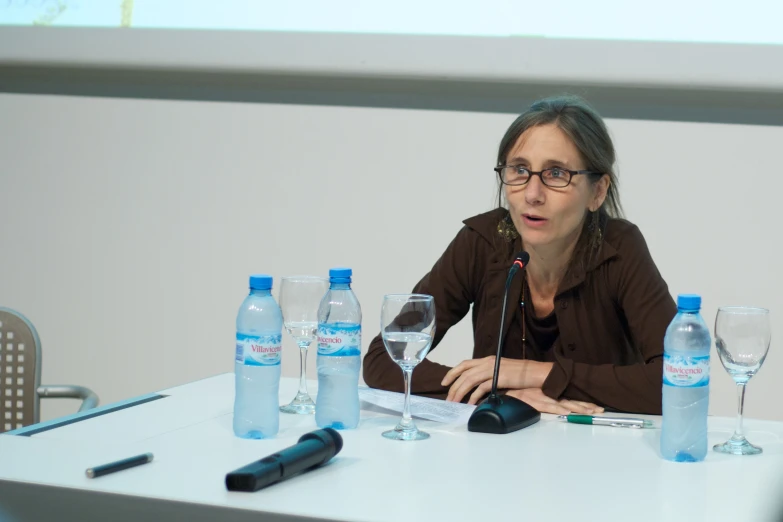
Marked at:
<point>541,332</point>
<point>607,327</point>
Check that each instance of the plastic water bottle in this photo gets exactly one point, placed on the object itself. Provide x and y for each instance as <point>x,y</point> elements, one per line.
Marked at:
<point>339,354</point>
<point>257,363</point>
<point>686,383</point>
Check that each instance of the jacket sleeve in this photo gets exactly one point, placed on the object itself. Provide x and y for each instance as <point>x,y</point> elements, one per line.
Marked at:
<point>643,297</point>
<point>452,282</point>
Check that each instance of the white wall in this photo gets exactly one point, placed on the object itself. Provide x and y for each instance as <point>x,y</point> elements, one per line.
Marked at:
<point>130,226</point>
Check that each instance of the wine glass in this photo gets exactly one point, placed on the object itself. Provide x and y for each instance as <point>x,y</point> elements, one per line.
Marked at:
<point>300,297</point>
<point>742,337</point>
<point>407,328</point>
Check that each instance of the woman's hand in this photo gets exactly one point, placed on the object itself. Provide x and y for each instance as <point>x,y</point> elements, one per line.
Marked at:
<point>545,404</point>
<point>514,374</point>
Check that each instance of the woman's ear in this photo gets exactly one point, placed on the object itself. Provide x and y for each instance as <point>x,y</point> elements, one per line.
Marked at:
<point>600,189</point>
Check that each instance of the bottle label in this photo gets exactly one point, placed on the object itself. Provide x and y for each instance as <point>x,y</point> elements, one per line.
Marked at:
<point>687,372</point>
<point>264,350</point>
<point>339,340</point>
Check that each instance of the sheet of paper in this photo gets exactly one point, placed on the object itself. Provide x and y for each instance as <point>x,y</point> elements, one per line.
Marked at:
<point>421,407</point>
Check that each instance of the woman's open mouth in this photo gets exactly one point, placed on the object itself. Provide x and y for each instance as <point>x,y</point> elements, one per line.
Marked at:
<point>533,220</point>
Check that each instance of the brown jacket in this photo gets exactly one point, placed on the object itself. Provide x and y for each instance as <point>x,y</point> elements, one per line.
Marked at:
<point>611,317</point>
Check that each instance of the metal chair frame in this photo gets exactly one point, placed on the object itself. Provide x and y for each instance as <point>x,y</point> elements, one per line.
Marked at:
<point>88,397</point>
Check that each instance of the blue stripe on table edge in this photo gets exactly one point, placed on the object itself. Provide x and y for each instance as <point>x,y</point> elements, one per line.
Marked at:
<point>84,415</point>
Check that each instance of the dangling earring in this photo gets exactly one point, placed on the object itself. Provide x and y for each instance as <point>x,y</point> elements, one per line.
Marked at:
<point>507,230</point>
<point>596,235</point>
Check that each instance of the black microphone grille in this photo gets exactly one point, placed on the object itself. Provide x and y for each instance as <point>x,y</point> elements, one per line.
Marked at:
<point>329,436</point>
<point>524,257</point>
<point>338,439</point>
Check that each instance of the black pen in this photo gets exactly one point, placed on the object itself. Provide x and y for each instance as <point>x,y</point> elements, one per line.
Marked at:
<point>119,465</point>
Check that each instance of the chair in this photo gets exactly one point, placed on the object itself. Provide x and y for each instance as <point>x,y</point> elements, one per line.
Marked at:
<point>20,375</point>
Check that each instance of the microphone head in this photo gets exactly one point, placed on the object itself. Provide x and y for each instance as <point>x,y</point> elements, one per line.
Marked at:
<point>329,436</point>
<point>522,259</point>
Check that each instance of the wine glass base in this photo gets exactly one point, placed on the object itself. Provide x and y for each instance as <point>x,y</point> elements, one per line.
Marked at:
<point>413,434</point>
<point>301,405</point>
<point>737,447</point>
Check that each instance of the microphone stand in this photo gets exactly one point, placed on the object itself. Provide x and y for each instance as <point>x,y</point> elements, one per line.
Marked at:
<point>503,414</point>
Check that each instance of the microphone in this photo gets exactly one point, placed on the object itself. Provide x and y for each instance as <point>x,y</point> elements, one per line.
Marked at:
<point>312,450</point>
<point>503,414</point>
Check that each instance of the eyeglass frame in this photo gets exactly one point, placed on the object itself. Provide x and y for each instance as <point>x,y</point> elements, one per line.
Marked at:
<point>540,174</point>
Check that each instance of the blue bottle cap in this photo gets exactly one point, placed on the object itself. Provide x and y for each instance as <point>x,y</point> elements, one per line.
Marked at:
<point>260,282</point>
<point>340,275</point>
<point>689,302</point>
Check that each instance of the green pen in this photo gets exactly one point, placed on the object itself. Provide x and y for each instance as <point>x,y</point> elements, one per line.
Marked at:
<point>617,422</point>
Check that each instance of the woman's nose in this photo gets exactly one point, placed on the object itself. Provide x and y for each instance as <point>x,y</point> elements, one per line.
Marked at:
<point>534,191</point>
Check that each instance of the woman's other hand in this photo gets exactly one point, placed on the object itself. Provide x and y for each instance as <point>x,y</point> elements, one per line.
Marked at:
<point>477,373</point>
<point>545,404</point>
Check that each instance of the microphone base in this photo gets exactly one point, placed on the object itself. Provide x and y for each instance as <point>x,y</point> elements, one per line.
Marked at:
<point>502,414</point>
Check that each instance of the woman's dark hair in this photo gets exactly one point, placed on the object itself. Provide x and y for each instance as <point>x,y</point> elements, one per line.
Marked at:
<point>582,124</point>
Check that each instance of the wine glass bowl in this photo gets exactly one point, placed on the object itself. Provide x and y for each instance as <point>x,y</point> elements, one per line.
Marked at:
<point>742,339</point>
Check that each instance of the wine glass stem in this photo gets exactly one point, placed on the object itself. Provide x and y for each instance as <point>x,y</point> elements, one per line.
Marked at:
<point>303,368</point>
<point>738,432</point>
<point>407,421</point>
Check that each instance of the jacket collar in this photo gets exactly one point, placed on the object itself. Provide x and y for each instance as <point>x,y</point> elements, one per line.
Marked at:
<point>605,252</point>
<point>486,224</point>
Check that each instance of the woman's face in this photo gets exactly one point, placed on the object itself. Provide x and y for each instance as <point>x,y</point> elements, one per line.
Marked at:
<point>546,216</point>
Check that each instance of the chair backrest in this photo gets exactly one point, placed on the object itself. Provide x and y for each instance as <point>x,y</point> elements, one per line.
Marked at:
<point>20,371</point>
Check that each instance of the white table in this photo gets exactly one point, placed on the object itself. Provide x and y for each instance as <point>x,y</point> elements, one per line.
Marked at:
<point>549,471</point>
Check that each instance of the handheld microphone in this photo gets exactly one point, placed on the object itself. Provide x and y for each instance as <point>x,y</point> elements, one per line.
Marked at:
<point>502,413</point>
<point>313,449</point>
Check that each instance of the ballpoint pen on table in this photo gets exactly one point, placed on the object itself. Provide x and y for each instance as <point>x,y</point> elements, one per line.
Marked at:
<point>617,422</point>
<point>112,467</point>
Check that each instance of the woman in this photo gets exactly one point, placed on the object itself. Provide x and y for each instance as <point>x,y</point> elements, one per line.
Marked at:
<point>585,321</point>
